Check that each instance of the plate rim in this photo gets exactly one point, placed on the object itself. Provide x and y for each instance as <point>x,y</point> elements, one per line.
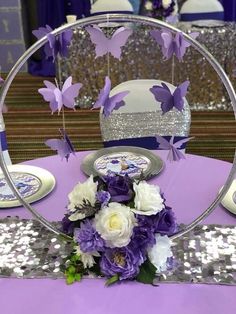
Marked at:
<point>88,161</point>
<point>40,174</point>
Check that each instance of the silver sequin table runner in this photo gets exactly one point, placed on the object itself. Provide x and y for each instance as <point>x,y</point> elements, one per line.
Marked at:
<point>205,255</point>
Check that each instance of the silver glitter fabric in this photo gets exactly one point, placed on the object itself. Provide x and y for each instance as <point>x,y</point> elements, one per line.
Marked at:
<point>140,124</point>
<point>142,59</point>
<point>205,255</point>
<point>28,250</point>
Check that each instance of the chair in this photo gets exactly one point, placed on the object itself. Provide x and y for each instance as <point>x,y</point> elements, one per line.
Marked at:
<point>137,123</point>
<point>4,148</point>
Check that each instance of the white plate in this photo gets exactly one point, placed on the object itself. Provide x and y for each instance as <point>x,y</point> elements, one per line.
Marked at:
<point>33,183</point>
<point>227,201</point>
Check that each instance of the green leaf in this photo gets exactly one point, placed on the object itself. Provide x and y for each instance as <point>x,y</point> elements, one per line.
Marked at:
<point>71,269</point>
<point>70,279</point>
<point>112,280</point>
<point>75,258</point>
<point>78,277</point>
<point>147,273</point>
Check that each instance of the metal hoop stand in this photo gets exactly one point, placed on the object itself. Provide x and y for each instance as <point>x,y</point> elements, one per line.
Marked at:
<point>122,19</point>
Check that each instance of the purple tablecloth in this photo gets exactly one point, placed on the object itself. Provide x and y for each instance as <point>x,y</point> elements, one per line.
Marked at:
<point>189,187</point>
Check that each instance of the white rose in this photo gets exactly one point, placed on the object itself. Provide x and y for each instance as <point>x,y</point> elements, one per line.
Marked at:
<point>160,252</point>
<point>115,224</point>
<point>148,5</point>
<point>83,192</point>
<point>166,3</point>
<point>87,258</point>
<point>148,200</point>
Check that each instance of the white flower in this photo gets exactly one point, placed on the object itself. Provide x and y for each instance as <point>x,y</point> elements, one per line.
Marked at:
<point>166,3</point>
<point>148,200</point>
<point>160,252</point>
<point>115,224</point>
<point>148,5</point>
<point>87,258</point>
<point>83,192</point>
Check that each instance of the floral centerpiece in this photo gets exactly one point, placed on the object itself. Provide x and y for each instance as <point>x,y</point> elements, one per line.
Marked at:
<point>120,229</point>
<point>160,9</point>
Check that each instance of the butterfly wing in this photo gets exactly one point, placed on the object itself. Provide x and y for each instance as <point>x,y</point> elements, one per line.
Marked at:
<point>182,44</point>
<point>156,34</point>
<point>68,141</point>
<point>118,40</point>
<point>168,45</point>
<point>64,40</point>
<point>104,94</point>
<point>69,95</point>
<point>114,103</point>
<point>60,146</point>
<point>179,94</point>
<point>99,39</point>
<point>179,144</point>
<point>163,143</point>
<point>163,95</point>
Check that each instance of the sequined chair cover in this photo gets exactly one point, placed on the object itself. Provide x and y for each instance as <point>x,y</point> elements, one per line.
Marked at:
<point>137,123</point>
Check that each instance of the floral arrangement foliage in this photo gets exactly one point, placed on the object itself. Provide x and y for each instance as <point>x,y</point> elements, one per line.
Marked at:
<point>159,9</point>
<point>121,230</point>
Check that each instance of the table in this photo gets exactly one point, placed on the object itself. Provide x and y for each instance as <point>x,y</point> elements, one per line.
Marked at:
<point>189,187</point>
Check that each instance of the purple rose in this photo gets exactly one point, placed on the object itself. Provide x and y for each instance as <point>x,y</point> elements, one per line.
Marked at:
<point>67,225</point>
<point>103,197</point>
<point>124,262</point>
<point>120,188</point>
<point>142,238</point>
<point>166,223</point>
<point>88,238</point>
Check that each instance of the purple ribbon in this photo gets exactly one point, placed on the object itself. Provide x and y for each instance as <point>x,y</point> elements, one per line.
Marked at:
<point>144,142</point>
<point>3,140</point>
<point>111,12</point>
<point>187,17</point>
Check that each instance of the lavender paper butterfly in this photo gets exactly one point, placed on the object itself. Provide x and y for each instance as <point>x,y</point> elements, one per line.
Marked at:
<point>63,146</point>
<point>57,98</point>
<point>106,45</point>
<point>168,100</point>
<point>172,45</point>
<point>174,153</point>
<point>109,103</point>
<point>56,44</point>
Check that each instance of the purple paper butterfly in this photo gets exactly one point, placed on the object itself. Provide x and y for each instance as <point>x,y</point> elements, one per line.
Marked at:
<point>174,153</point>
<point>106,45</point>
<point>63,146</point>
<point>109,103</point>
<point>56,44</point>
<point>169,101</point>
<point>57,98</point>
<point>172,45</point>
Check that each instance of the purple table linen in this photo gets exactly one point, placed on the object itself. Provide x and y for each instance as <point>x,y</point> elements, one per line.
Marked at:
<point>189,187</point>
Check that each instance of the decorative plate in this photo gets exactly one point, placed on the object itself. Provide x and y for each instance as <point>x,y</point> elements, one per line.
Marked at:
<point>122,160</point>
<point>228,201</point>
<point>33,183</point>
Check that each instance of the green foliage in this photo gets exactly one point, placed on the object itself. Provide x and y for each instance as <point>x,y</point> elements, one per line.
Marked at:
<point>74,270</point>
<point>112,280</point>
<point>147,273</point>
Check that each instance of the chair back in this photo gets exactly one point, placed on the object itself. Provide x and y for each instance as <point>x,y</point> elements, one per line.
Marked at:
<point>137,123</point>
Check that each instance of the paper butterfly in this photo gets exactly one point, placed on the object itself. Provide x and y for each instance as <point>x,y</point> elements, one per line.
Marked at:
<point>106,45</point>
<point>174,153</point>
<point>172,45</point>
<point>109,103</point>
<point>57,98</point>
<point>56,44</point>
<point>169,101</point>
<point>63,146</point>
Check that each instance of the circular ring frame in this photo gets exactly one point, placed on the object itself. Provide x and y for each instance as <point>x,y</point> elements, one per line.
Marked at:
<point>122,19</point>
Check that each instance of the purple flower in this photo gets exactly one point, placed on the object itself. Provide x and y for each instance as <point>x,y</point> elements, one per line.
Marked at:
<point>103,197</point>
<point>120,188</point>
<point>166,223</point>
<point>143,237</point>
<point>124,262</point>
<point>67,225</point>
<point>88,238</point>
